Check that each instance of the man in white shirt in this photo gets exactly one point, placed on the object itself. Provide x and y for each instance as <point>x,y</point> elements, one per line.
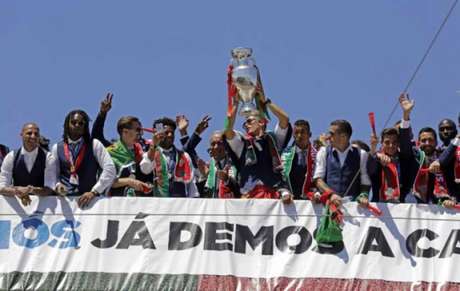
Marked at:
<point>341,168</point>
<point>25,170</point>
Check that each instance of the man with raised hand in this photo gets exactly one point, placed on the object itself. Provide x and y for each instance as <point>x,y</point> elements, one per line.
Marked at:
<point>83,165</point>
<point>97,130</point>
<point>172,168</point>
<point>256,155</point>
<point>25,170</point>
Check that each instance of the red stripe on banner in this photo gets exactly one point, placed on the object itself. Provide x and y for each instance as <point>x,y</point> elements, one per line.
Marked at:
<point>214,282</point>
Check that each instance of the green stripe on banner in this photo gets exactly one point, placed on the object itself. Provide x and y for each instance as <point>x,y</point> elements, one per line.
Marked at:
<point>96,281</point>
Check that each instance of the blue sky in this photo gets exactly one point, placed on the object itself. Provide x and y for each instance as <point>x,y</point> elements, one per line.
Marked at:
<point>319,60</point>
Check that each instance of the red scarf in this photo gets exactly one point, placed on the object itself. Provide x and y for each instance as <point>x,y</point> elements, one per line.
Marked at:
<point>224,191</point>
<point>421,182</point>
<point>389,190</point>
<point>308,182</point>
<point>138,152</point>
<point>421,185</point>
<point>183,172</point>
<point>74,165</point>
<point>336,213</point>
<point>231,90</point>
<point>263,192</point>
<point>457,165</point>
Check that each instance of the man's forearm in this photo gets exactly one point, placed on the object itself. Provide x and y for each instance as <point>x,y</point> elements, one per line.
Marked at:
<point>322,186</point>
<point>282,116</point>
<point>8,191</point>
<point>42,191</point>
<point>228,130</point>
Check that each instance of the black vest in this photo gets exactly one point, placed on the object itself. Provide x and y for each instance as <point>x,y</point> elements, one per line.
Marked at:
<point>340,178</point>
<point>263,168</point>
<point>297,177</point>
<point>36,177</point>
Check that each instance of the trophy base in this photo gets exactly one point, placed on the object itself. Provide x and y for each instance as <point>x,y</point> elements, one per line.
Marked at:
<point>247,109</point>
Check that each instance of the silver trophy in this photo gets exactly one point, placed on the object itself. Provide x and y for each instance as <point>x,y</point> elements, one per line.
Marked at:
<point>244,77</point>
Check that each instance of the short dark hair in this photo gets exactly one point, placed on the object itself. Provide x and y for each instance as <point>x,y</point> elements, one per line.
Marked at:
<point>343,126</point>
<point>165,121</point>
<point>428,129</point>
<point>389,131</point>
<point>86,134</point>
<point>450,121</point>
<point>361,144</point>
<point>126,122</point>
<point>302,122</point>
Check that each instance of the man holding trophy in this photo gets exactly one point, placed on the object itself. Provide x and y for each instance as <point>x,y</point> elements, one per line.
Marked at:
<point>255,154</point>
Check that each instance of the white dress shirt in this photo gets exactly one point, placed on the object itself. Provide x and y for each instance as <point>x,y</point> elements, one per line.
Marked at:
<point>104,160</point>
<point>6,174</point>
<point>320,169</point>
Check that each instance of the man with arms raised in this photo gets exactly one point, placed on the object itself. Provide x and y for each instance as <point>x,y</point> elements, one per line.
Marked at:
<point>256,154</point>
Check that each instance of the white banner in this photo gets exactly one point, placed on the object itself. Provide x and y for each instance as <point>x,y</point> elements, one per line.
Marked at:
<point>241,238</point>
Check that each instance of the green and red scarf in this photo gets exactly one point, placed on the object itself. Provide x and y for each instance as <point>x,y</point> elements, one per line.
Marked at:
<point>221,190</point>
<point>420,187</point>
<point>287,159</point>
<point>122,155</point>
<point>390,187</point>
<point>182,171</point>
<point>457,165</point>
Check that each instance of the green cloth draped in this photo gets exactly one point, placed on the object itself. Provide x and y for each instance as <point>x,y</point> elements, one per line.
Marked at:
<point>329,230</point>
<point>120,154</point>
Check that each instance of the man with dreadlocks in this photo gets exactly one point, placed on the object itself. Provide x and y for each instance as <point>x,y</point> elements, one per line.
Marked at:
<point>256,155</point>
<point>80,160</point>
<point>172,168</point>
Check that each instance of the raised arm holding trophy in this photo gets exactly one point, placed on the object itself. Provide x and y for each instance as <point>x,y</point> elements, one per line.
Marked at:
<point>255,153</point>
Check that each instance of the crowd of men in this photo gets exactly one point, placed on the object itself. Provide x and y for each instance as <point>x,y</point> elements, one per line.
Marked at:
<point>396,167</point>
